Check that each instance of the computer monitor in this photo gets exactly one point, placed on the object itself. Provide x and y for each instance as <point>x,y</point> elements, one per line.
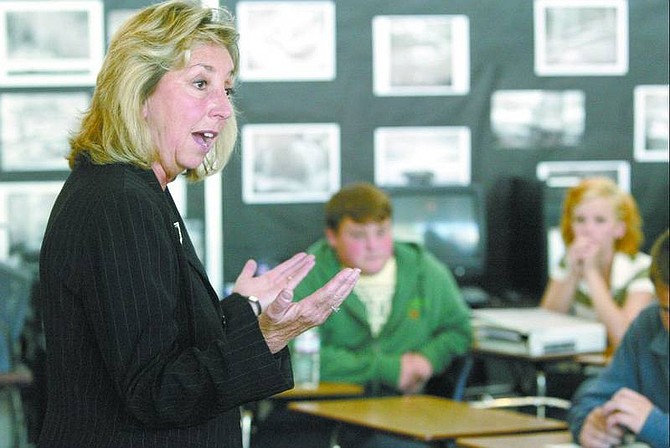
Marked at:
<point>449,221</point>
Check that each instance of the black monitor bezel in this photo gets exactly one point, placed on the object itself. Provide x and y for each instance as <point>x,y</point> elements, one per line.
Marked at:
<point>468,270</point>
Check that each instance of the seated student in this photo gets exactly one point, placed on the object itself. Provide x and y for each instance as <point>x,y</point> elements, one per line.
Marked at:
<point>602,276</point>
<point>402,325</point>
<point>405,321</point>
<point>631,394</point>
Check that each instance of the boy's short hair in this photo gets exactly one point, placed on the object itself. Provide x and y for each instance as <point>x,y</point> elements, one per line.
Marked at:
<point>361,201</point>
<point>658,271</point>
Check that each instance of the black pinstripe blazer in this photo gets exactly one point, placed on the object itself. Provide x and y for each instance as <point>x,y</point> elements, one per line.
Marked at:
<point>140,352</point>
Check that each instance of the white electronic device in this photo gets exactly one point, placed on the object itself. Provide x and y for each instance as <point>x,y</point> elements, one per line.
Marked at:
<point>536,332</point>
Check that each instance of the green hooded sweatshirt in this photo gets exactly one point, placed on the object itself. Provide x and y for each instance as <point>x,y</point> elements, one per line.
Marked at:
<point>428,316</point>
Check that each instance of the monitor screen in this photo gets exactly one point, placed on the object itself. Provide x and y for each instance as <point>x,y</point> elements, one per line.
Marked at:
<point>449,221</point>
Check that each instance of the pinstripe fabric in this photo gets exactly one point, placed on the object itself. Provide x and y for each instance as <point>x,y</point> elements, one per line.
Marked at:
<point>140,351</point>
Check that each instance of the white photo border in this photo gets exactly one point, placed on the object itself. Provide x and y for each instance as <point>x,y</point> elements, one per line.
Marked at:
<point>566,174</point>
<point>323,172</point>
<point>268,55</point>
<point>7,218</point>
<point>34,128</point>
<point>452,168</point>
<point>49,72</point>
<point>545,68</point>
<point>459,60</point>
<point>642,94</point>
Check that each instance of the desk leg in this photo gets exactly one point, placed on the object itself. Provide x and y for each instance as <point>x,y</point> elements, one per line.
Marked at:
<point>541,382</point>
<point>245,422</point>
<point>334,436</point>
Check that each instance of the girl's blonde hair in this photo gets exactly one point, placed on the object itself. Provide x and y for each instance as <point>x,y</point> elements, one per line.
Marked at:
<point>156,40</point>
<point>624,205</point>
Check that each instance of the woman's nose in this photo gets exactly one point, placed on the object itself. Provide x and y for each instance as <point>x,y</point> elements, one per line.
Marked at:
<point>221,106</point>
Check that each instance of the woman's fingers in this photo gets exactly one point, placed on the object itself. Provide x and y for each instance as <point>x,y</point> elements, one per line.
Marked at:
<point>278,307</point>
<point>247,272</point>
<point>299,271</point>
<point>340,287</point>
<point>291,272</point>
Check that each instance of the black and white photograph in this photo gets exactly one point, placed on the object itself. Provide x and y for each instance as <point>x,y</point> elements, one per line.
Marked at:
<point>651,123</point>
<point>287,40</point>
<point>24,211</point>
<point>581,37</point>
<point>290,162</point>
<point>35,128</point>
<point>566,174</point>
<point>421,55</point>
<point>422,156</point>
<point>50,43</point>
<point>535,119</point>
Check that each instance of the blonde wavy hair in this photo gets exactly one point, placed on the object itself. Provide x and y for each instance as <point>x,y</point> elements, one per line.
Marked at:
<point>624,205</point>
<point>156,40</point>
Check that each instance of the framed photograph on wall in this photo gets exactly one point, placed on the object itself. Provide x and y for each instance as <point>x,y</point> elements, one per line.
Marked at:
<point>651,123</point>
<point>35,128</point>
<point>421,55</point>
<point>420,156</point>
<point>287,40</point>
<point>290,162</point>
<point>581,37</point>
<point>24,212</point>
<point>566,174</point>
<point>50,43</point>
<point>532,119</point>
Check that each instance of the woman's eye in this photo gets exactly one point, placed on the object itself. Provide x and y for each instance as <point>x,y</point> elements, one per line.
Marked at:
<point>200,84</point>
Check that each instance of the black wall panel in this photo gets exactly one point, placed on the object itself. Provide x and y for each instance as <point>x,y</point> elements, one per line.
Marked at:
<point>501,53</point>
<point>501,57</point>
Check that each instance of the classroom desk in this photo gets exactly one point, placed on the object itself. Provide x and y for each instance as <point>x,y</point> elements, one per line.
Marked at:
<point>426,418</point>
<point>595,359</point>
<point>534,440</point>
<point>324,390</point>
<point>539,364</point>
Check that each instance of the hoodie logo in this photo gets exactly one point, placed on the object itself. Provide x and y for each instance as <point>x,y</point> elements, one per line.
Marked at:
<point>414,308</point>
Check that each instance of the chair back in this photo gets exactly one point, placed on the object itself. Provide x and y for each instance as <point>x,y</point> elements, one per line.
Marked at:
<point>15,289</point>
<point>452,382</point>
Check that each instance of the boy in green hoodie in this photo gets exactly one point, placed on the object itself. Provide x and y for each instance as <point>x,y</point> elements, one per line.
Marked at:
<point>405,321</point>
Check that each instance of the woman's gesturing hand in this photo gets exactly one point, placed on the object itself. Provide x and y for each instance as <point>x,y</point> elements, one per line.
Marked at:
<point>266,287</point>
<point>284,319</point>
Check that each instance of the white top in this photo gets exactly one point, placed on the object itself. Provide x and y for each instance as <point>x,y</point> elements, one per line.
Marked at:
<point>625,278</point>
<point>376,292</point>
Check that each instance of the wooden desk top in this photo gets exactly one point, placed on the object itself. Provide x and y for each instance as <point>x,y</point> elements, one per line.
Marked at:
<point>535,440</point>
<point>21,376</point>
<point>324,390</point>
<point>425,417</point>
<point>596,359</point>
